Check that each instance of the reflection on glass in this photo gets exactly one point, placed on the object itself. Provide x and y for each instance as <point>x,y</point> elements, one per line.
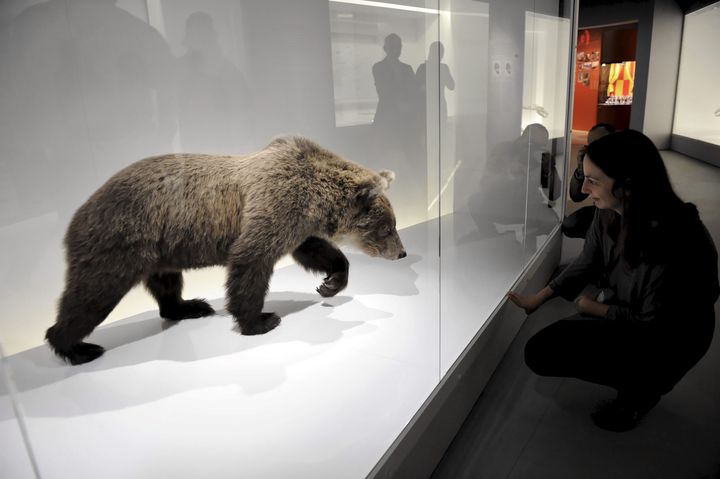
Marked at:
<point>545,70</point>
<point>503,150</point>
<point>545,77</point>
<point>377,52</point>
<point>513,171</point>
<point>214,99</point>
<point>471,267</point>
<point>697,104</point>
<point>435,77</point>
<point>90,88</point>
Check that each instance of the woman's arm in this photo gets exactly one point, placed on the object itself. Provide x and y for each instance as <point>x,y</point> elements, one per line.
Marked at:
<point>573,279</point>
<point>590,307</point>
<point>587,267</point>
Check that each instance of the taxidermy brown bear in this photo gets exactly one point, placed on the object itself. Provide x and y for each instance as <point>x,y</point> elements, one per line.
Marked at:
<point>168,213</point>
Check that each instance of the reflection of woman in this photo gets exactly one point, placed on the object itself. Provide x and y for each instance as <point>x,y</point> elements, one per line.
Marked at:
<point>395,85</point>
<point>442,79</point>
<point>506,174</point>
<point>396,126</point>
<point>658,266</point>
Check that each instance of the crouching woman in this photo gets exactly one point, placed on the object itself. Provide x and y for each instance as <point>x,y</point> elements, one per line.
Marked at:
<point>657,267</point>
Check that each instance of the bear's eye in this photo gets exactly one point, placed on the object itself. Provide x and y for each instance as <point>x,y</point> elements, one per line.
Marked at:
<point>385,231</point>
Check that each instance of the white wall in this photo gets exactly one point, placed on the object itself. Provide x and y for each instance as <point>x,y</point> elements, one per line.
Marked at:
<point>641,12</point>
<point>662,73</point>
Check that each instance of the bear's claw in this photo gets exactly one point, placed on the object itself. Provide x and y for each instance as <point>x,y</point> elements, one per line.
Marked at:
<point>333,284</point>
<point>194,308</point>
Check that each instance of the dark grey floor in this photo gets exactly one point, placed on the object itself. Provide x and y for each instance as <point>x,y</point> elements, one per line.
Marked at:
<point>525,426</point>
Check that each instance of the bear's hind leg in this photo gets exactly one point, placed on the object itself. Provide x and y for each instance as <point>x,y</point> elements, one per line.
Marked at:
<point>166,288</point>
<point>318,255</point>
<point>85,304</point>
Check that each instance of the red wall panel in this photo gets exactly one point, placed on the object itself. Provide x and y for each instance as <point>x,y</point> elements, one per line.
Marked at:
<point>587,78</point>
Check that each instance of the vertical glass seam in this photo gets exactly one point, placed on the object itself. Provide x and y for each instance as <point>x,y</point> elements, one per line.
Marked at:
<point>14,400</point>
<point>439,189</point>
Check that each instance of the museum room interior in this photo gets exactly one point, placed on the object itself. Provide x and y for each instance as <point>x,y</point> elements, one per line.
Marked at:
<point>409,362</point>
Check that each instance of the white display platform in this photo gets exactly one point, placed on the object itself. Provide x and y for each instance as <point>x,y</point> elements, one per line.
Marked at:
<point>322,396</point>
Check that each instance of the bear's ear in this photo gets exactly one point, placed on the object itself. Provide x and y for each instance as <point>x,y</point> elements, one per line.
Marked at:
<point>280,140</point>
<point>386,177</point>
<point>367,191</point>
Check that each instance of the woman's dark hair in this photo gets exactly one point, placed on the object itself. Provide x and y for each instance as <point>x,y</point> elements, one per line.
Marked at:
<point>641,180</point>
<point>605,126</point>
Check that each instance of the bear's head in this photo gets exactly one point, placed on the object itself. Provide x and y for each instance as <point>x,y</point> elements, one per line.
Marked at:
<point>373,228</point>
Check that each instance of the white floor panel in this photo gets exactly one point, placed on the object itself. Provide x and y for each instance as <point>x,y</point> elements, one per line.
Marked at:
<point>323,395</point>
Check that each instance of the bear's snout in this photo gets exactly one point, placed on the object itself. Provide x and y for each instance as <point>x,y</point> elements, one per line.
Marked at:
<point>402,254</point>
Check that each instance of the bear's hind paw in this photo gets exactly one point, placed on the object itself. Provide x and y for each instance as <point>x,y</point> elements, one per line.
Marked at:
<point>81,353</point>
<point>267,322</point>
<point>333,284</point>
<point>194,308</point>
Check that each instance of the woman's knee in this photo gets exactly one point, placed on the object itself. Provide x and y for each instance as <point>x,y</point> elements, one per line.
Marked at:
<point>537,355</point>
<point>545,351</point>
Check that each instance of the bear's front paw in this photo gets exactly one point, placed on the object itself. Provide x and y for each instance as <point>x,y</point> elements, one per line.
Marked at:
<point>333,284</point>
<point>267,322</point>
<point>194,308</point>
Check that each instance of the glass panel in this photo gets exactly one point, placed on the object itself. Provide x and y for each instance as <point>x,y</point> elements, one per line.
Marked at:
<point>697,104</point>
<point>93,87</point>
<point>14,456</point>
<point>465,176</point>
<point>502,148</point>
<point>545,86</point>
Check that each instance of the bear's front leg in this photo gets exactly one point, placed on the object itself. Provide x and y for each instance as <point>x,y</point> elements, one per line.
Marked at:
<point>247,285</point>
<point>320,256</point>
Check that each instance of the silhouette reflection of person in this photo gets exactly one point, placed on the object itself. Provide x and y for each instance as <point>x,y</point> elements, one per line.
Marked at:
<point>513,174</point>
<point>214,101</point>
<point>92,90</point>
<point>433,75</point>
<point>395,84</point>
<point>398,127</point>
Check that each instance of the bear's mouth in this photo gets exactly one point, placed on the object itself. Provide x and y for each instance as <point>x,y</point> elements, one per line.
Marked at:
<point>395,257</point>
<point>372,252</point>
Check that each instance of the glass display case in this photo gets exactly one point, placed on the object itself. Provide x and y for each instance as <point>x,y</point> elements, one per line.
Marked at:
<point>465,101</point>
<point>697,102</point>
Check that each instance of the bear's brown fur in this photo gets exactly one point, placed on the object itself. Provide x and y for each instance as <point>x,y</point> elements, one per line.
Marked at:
<point>168,213</point>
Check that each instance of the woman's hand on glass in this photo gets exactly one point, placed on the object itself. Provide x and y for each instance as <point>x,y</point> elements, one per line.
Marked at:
<point>528,302</point>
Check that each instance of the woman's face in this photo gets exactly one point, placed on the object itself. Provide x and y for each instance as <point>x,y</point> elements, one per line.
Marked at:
<point>599,187</point>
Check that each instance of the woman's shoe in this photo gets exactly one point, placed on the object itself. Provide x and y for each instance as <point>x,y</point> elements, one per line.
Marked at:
<point>624,412</point>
